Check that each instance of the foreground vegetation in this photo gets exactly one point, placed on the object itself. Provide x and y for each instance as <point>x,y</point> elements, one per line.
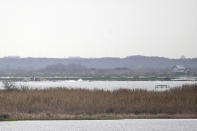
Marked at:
<point>61,103</point>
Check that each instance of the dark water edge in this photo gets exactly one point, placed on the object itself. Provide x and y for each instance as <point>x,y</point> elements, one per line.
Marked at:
<point>24,116</point>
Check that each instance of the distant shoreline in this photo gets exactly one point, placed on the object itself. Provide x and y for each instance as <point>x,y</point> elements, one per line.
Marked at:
<point>99,78</point>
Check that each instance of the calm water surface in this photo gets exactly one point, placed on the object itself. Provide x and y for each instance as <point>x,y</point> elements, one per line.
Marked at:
<point>106,85</point>
<point>102,125</point>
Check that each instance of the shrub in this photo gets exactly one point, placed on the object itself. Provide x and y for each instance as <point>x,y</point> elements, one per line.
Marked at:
<point>9,85</point>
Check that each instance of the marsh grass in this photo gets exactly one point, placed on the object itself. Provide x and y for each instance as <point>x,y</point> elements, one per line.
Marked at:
<point>60,103</point>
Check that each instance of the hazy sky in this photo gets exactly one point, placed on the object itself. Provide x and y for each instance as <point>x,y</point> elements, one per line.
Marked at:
<point>97,28</point>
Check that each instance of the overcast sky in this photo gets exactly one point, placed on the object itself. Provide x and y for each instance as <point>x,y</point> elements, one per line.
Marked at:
<point>98,28</point>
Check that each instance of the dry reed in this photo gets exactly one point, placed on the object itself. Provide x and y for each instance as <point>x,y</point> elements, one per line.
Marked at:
<point>182,100</point>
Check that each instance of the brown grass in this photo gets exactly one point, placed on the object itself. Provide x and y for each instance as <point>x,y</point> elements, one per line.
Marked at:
<point>61,102</point>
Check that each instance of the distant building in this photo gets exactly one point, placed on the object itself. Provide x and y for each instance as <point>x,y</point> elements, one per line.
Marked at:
<point>180,70</point>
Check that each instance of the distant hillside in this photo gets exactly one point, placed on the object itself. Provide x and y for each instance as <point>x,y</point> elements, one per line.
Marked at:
<point>59,68</point>
<point>131,62</point>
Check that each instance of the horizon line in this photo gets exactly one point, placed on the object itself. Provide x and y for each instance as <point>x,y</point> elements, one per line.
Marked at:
<point>79,57</point>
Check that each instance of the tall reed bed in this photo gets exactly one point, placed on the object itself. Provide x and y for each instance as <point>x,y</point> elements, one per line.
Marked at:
<point>182,100</point>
